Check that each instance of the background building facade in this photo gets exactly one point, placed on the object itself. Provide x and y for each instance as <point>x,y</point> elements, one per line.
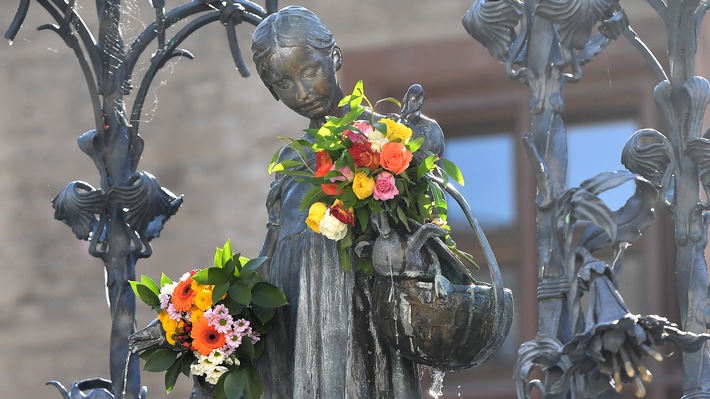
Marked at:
<point>210,134</point>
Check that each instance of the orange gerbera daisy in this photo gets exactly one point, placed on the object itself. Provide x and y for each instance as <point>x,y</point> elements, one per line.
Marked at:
<point>205,337</point>
<point>184,295</point>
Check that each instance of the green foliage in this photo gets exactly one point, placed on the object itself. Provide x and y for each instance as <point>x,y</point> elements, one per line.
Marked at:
<point>419,197</point>
<point>237,285</point>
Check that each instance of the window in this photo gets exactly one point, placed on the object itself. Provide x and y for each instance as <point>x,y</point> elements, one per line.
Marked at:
<point>488,166</point>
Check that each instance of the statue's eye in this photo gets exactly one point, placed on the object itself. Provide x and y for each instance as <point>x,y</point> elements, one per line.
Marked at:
<point>311,72</point>
<point>282,84</point>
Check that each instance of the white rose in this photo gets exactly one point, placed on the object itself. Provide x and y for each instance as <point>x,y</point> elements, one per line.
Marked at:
<point>377,139</point>
<point>332,228</point>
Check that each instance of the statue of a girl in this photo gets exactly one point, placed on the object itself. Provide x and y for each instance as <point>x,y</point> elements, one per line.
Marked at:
<point>325,344</point>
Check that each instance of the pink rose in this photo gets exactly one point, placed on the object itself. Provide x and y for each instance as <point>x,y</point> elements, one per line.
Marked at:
<point>361,136</point>
<point>347,174</point>
<point>385,189</point>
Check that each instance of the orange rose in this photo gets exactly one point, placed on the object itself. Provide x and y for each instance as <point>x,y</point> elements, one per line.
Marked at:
<point>331,189</point>
<point>395,157</point>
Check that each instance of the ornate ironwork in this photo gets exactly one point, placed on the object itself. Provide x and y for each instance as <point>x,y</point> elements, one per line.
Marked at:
<point>130,208</point>
<point>544,44</point>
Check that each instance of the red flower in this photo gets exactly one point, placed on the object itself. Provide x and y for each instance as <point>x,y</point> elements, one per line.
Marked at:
<point>346,216</point>
<point>323,163</point>
<point>364,156</point>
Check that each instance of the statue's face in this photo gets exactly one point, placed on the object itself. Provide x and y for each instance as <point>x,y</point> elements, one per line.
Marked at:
<point>304,79</point>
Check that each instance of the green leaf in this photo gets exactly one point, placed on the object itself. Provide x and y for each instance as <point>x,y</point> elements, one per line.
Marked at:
<point>146,354</point>
<point>164,280</point>
<point>217,257</point>
<point>219,290</point>
<point>211,276</point>
<point>283,167</point>
<point>230,268</point>
<point>452,170</point>
<point>171,376</point>
<point>315,194</point>
<point>246,349</point>
<point>185,362</point>
<point>403,218</point>
<point>264,314</point>
<point>227,253</point>
<point>148,282</point>
<point>426,166</point>
<point>388,99</point>
<point>273,163</point>
<point>365,265</point>
<point>240,293</point>
<point>255,382</point>
<point>161,360</point>
<point>254,264</point>
<point>352,115</point>
<point>234,307</point>
<point>414,145</point>
<point>344,256</point>
<point>234,383</point>
<point>363,218</point>
<point>344,101</point>
<point>357,95</point>
<point>145,294</point>
<point>267,295</point>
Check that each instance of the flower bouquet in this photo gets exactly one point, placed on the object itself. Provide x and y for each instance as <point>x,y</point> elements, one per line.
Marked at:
<point>367,164</point>
<point>213,320</point>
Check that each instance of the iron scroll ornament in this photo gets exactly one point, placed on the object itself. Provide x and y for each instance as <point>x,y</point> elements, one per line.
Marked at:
<point>544,44</point>
<point>129,208</point>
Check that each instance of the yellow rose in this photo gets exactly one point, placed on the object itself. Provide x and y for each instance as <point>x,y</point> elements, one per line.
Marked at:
<point>397,131</point>
<point>363,185</point>
<point>315,215</point>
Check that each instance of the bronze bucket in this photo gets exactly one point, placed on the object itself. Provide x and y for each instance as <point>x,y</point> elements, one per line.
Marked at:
<point>440,319</point>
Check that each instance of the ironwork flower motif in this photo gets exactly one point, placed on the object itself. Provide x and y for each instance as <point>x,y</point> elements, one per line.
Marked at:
<point>149,205</point>
<point>492,23</point>
<point>77,205</point>
<point>576,18</point>
<point>615,341</point>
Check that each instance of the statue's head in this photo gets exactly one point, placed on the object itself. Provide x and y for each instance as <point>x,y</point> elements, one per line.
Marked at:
<point>297,59</point>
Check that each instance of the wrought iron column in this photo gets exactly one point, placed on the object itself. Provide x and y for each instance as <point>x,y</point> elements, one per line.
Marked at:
<point>130,208</point>
<point>544,44</point>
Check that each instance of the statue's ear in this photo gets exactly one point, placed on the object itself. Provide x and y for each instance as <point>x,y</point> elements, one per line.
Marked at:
<point>337,57</point>
<point>272,92</point>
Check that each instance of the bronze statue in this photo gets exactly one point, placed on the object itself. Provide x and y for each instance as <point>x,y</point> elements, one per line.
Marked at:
<point>340,336</point>
<point>325,344</point>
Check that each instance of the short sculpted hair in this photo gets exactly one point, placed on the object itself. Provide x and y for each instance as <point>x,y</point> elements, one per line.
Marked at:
<point>291,26</point>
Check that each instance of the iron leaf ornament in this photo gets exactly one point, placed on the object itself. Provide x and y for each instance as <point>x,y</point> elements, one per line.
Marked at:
<point>492,23</point>
<point>574,18</point>
<point>77,205</point>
